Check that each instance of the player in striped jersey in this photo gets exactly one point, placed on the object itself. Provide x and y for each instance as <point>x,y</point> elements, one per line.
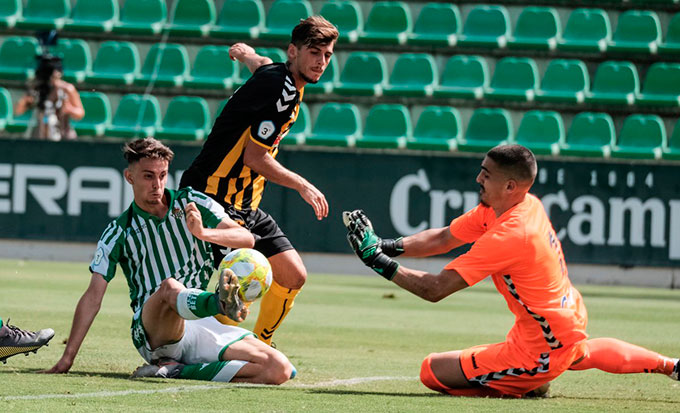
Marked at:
<point>162,244</point>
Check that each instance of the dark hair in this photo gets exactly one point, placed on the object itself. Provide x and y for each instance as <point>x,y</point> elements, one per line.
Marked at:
<point>515,160</point>
<point>146,148</point>
<point>314,31</point>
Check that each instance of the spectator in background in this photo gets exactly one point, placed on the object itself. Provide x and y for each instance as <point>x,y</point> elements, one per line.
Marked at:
<point>57,101</point>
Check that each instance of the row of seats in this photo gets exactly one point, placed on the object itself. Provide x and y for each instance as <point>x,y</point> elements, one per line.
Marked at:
<point>390,22</point>
<point>364,73</point>
<point>385,126</point>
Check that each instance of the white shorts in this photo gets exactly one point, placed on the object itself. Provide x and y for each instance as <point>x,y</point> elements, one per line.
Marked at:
<point>204,341</point>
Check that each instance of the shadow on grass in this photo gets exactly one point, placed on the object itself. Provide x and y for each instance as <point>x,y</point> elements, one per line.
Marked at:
<point>110,375</point>
<point>370,393</point>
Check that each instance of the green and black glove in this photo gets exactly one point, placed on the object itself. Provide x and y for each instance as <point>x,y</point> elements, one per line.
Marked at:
<point>369,247</point>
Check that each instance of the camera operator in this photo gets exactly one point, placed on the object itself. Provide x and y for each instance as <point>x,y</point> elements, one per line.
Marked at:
<point>57,101</point>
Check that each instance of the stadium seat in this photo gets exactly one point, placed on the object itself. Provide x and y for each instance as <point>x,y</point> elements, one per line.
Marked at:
<point>488,127</point>
<point>590,135</point>
<point>536,28</point>
<point>327,82</point>
<point>587,30</point>
<point>346,15</point>
<point>387,126</point>
<point>239,19</point>
<point>93,16</point>
<point>564,81</point>
<point>337,124</point>
<point>142,17</point>
<point>671,44</point>
<point>17,58</point>
<point>277,56</point>
<point>10,12</point>
<point>97,114</point>
<point>672,151</point>
<point>486,26</point>
<point>414,74</point>
<point>641,136</point>
<point>464,76</point>
<point>438,128</point>
<point>364,74</point>
<point>301,128</point>
<point>388,22</point>
<point>438,24</point>
<point>615,83</point>
<point>44,14</point>
<point>636,31</point>
<point>21,123</point>
<point>137,116</point>
<point>212,69</point>
<point>116,63</point>
<point>166,64</point>
<point>282,16</point>
<point>192,18</point>
<point>76,60</point>
<point>515,78</point>
<point>661,86</point>
<point>187,119</point>
<point>5,108</point>
<point>541,131</point>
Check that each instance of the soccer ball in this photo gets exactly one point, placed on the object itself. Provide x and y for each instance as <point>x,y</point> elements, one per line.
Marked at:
<point>253,271</point>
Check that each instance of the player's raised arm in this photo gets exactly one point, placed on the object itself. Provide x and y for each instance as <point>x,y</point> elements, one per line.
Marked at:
<point>247,55</point>
<point>86,311</point>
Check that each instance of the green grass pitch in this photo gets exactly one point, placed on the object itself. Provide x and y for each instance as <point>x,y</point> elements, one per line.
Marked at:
<point>357,343</point>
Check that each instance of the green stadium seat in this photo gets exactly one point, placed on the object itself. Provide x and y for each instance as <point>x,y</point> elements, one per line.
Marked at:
<point>641,137</point>
<point>488,127</point>
<point>166,64</point>
<point>615,83</point>
<point>282,16</point>
<point>337,124</point>
<point>636,31</point>
<point>142,17</point>
<point>672,151</point>
<point>21,123</point>
<point>364,74</point>
<point>116,63</point>
<point>76,58</point>
<point>438,128</point>
<point>541,131</point>
<point>387,126</point>
<point>564,81</point>
<point>671,44</point>
<point>212,69</point>
<point>5,108</point>
<point>346,15</point>
<point>187,119</point>
<point>137,116</point>
<point>464,76</point>
<point>438,24</point>
<point>486,26</point>
<point>661,86</point>
<point>587,30</point>
<point>515,78</point>
<point>93,16</point>
<point>277,56</point>
<point>327,82</point>
<point>414,74</point>
<point>10,12</point>
<point>97,114</point>
<point>44,14</point>
<point>590,135</point>
<point>192,18</point>
<point>536,28</point>
<point>301,128</point>
<point>239,19</point>
<point>17,58</point>
<point>388,22</point>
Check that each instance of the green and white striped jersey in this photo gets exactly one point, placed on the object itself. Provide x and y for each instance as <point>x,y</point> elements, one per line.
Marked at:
<point>150,249</point>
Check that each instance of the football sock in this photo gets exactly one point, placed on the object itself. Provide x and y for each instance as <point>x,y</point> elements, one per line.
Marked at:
<point>616,356</point>
<point>228,321</point>
<point>193,304</point>
<point>274,307</point>
<point>222,371</point>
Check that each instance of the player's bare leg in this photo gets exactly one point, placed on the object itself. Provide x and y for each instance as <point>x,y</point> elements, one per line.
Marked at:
<point>265,364</point>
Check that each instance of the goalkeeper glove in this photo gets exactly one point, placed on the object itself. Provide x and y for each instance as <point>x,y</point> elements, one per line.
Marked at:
<point>366,245</point>
<point>359,220</point>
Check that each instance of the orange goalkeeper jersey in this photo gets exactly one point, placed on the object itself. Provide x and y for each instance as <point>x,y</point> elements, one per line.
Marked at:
<point>523,256</point>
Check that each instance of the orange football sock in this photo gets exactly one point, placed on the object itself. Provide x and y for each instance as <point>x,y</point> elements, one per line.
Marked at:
<point>616,356</point>
<point>274,308</point>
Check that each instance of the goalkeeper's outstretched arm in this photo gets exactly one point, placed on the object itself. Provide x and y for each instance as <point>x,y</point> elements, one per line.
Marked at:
<point>431,287</point>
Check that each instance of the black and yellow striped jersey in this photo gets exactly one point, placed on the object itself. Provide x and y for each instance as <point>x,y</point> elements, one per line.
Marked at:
<point>263,111</point>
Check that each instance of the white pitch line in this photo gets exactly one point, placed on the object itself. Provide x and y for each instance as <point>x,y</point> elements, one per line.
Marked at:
<point>202,387</point>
